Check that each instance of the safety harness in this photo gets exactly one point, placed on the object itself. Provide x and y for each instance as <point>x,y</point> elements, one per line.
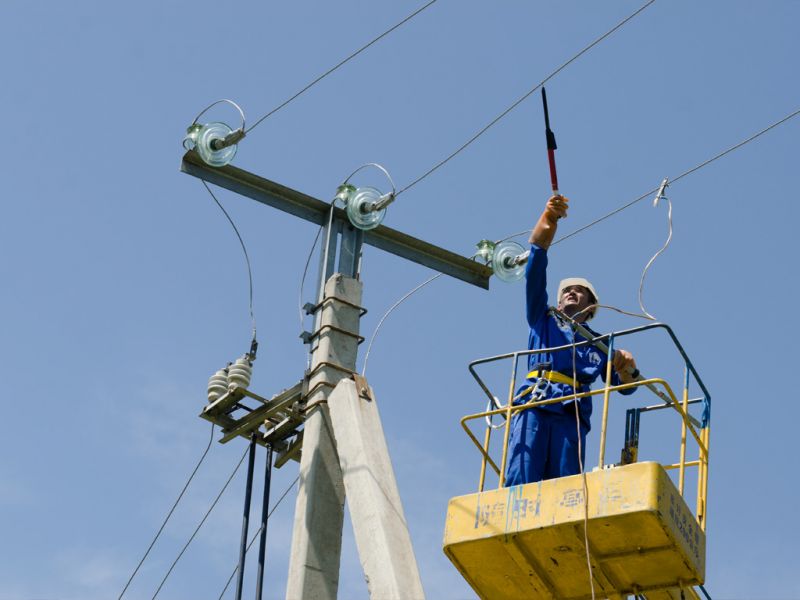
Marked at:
<point>544,379</point>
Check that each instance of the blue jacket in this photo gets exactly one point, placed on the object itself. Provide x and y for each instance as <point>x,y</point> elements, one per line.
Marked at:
<point>547,331</point>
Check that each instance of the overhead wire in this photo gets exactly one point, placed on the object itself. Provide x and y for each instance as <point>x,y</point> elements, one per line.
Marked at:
<point>339,64</point>
<point>169,514</point>
<point>525,97</point>
<point>652,191</point>
<point>673,180</point>
<point>255,535</point>
<point>474,138</point>
<point>202,521</point>
<point>603,218</point>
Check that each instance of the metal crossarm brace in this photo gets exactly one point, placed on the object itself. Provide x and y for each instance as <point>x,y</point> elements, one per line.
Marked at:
<point>314,210</point>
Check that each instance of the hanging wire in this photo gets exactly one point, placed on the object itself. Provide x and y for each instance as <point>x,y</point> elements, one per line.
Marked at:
<point>581,466</point>
<point>657,254</point>
<point>255,535</point>
<point>339,64</point>
<point>169,514</point>
<point>614,308</point>
<point>246,256</point>
<point>388,312</point>
<point>329,225</point>
<point>525,97</point>
<point>305,273</point>
<point>202,521</point>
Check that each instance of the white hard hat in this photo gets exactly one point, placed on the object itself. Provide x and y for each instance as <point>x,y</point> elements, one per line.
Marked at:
<point>565,283</point>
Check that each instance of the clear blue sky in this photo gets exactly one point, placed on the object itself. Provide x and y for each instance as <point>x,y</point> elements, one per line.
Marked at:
<point>124,286</point>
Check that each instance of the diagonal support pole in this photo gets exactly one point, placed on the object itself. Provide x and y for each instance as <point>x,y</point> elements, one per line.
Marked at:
<point>382,538</point>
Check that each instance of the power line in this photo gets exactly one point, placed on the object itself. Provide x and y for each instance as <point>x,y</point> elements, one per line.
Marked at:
<point>202,521</point>
<point>672,180</point>
<point>647,194</point>
<point>169,514</point>
<point>525,96</point>
<point>339,64</point>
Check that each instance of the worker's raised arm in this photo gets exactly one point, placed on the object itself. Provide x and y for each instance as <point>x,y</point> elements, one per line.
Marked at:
<point>545,229</point>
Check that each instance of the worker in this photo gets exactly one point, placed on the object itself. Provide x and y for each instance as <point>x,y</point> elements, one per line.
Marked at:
<point>544,440</point>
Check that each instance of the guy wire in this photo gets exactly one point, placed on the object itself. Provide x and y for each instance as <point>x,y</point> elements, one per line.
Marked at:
<point>169,514</point>
<point>202,521</point>
<point>339,64</point>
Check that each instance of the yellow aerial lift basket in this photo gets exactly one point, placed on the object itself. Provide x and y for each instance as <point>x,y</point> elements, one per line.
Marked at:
<point>636,535</point>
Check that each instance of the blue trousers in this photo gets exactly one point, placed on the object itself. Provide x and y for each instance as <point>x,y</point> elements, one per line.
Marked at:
<point>543,445</point>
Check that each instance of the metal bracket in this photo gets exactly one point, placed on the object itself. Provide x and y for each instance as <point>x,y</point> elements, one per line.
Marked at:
<point>362,387</point>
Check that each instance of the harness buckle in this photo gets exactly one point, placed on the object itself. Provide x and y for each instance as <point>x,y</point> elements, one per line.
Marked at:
<point>540,389</point>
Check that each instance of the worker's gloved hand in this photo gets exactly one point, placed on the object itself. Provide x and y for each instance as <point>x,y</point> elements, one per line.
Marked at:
<point>625,365</point>
<point>556,208</point>
<point>545,229</point>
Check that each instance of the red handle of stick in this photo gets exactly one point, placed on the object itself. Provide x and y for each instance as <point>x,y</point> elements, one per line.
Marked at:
<point>551,156</point>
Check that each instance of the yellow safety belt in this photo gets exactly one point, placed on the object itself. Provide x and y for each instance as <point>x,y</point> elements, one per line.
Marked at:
<point>553,376</point>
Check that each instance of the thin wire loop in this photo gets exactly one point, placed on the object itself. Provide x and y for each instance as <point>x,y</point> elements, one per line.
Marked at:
<point>377,166</point>
<point>525,97</point>
<point>655,256</point>
<point>169,514</point>
<point>493,404</point>
<point>213,104</point>
<point>246,256</point>
<point>341,63</point>
<point>203,520</point>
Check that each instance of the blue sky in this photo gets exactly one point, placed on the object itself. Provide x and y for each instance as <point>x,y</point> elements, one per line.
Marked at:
<point>125,287</point>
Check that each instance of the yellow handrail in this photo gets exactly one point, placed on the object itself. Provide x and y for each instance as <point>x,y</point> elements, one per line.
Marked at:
<point>682,408</point>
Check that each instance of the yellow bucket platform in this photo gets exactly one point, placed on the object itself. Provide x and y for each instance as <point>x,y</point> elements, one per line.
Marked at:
<point>527,541</point>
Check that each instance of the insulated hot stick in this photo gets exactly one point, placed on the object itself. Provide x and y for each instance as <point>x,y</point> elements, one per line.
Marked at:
<point>551,145</point>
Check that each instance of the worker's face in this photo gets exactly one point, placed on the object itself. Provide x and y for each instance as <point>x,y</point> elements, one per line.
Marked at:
<point>574,299</point>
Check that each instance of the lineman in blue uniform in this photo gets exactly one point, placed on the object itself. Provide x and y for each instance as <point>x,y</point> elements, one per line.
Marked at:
<point>544,440</point>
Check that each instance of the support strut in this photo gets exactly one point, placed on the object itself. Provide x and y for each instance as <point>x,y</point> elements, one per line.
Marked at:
<point>246,516</point>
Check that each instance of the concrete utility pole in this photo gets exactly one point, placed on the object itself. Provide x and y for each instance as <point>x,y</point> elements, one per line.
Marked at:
<point>344,452</point>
